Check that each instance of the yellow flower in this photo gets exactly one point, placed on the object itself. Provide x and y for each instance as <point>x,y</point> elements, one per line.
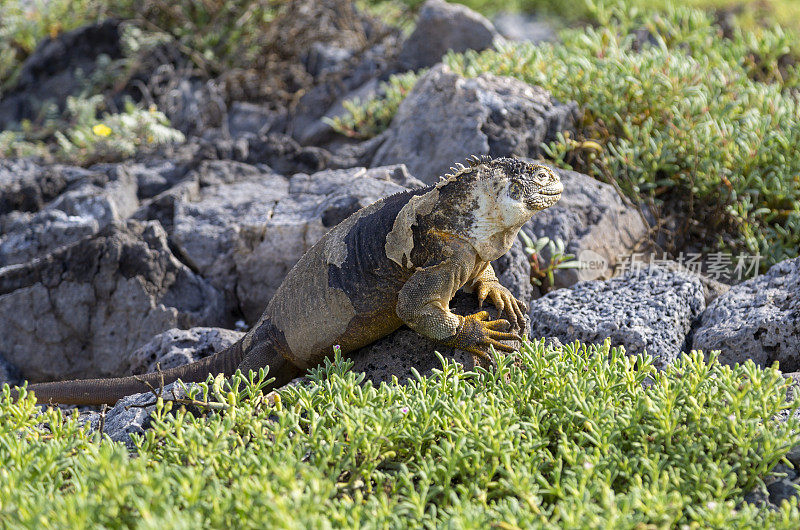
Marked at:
<point>54,29</point>
<point>101,129</point>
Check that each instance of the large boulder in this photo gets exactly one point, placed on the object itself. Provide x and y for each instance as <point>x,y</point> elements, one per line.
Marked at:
<point>650,310</point>
<point>207,227</point>
<point>593,222</point>
<point>442,27</point>
<point>758,319</point>
<point>76,311</point>
<point>446,118</point>
<point>245,235</point>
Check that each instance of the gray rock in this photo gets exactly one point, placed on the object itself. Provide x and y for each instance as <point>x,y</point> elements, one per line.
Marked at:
<point>320,130</point>
<point>341,77</point>
<point>209,174</point>
<point>284,155</point>
<point>59,67</point>
<point>712,289</point>
<point>192,105</point>
<point>793,456</point>
<point>780,490</point>
<point>161,208</point>
<point>77,311</point>
<point>219,172</point>
<point>758,319</point>
<point>649,310</point>
<point>524,27</point>
<point>9,374</point>
<point>80,212</point>
<point>446,118</point>
<point>759,497</point>
<point>131,414</point>
<point>152,176</point>
<point>442,27</point>
<point>177,347</point>
<point>29,187</point>
<point>209,229</point>
<point>325,58</point>
<point>255,119</point>
<point>281,153</point>
<point>593,222</point>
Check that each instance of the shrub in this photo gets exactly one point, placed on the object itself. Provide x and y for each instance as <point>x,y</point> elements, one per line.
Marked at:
<point>566,437</point>
<point>677,114</point>
<point>214,34</point>
<point>87,139</point>
<point>369,118</point>
<point>23,25</point>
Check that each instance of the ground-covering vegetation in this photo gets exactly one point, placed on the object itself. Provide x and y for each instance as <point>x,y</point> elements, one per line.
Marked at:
<point>676,114</point>
<point>571,437</point>
<point>84,136</point>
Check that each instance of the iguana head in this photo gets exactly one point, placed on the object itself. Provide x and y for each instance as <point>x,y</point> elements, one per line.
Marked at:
<point>519,189</point>
<point>484,203</point>
<point>488,201</point>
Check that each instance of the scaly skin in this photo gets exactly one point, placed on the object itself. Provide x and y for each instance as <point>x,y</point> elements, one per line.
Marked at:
<point>398,261</point>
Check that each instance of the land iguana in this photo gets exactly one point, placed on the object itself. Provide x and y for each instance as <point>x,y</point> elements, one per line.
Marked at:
<point>397,261</point>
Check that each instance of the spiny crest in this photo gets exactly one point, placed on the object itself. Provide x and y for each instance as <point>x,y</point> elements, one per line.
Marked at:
<point>460,169</point>
<point>475,160</point>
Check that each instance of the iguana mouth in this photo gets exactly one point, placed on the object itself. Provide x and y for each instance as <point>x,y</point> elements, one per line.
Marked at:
<point>553,189</point>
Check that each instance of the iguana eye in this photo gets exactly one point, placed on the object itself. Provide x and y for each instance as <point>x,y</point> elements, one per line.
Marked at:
<point>515,190</point>
<point>540,178</point>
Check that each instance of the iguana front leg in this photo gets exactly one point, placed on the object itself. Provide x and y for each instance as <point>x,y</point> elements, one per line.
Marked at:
<point>487,285</point>
<point>424,305</point>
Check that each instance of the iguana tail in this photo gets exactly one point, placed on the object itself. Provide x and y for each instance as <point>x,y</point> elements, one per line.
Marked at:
<point>99,391</point>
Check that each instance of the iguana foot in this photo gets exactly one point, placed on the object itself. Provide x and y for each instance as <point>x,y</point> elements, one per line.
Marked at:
<point>503,300</point>
<point>477,333</point>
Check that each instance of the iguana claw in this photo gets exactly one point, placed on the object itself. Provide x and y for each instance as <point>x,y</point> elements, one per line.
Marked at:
<point>503,300</point>
<point>477,333</point>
